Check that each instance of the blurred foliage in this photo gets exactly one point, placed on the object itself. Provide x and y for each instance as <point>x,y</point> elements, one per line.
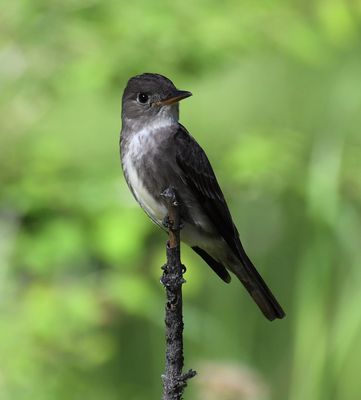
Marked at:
<point>276,105</point>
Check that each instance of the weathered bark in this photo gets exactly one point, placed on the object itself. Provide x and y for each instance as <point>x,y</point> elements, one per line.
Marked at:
<point>174,381</point>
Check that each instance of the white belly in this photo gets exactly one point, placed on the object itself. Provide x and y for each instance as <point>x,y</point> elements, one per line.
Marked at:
<point>155,210</point>
<point>190,234</point>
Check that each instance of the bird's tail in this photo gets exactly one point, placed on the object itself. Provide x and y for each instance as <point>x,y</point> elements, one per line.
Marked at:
<point>257,288</point>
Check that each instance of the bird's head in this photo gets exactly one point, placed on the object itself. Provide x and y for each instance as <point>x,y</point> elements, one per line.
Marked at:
<point>150,98</point>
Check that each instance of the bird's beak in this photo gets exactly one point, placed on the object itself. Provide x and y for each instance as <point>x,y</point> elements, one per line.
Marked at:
<point>176,96</point>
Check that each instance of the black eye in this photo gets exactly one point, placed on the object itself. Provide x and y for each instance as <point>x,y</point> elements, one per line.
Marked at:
<point>143,98</point>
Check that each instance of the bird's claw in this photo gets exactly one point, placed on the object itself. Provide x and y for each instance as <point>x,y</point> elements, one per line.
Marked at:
<point>170,196</point>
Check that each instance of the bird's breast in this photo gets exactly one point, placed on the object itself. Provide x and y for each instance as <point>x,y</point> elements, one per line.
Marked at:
<point>140,169</point>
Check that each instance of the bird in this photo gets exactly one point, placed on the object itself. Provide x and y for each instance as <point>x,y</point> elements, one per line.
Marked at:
<point>158,152</point>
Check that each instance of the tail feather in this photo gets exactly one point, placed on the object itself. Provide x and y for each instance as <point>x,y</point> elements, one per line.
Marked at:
<point>246,272</point>
<point>257,288</point>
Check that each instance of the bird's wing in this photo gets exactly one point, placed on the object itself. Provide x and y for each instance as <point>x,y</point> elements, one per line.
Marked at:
<point>199,175</point>
<point>217,267</point>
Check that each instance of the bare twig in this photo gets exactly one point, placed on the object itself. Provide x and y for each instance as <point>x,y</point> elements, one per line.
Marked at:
<point>174,381</point>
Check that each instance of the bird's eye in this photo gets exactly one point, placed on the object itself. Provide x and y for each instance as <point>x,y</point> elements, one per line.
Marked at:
<point>143,98</point>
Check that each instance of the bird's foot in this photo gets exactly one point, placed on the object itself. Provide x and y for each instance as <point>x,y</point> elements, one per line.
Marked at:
<point>169,196</point>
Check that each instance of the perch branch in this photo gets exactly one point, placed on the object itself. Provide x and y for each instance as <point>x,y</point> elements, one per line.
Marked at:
<point>174,381</point>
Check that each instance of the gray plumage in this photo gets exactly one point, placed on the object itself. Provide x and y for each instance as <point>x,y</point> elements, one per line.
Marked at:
<point>158,152</point>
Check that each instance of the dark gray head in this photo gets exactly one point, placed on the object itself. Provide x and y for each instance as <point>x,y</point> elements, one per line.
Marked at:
<point>150,98</point>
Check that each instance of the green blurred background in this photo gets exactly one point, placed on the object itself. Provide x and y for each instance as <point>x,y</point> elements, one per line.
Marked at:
<point>277,107</point>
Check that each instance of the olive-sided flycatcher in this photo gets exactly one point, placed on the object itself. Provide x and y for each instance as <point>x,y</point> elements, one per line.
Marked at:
<point>158,152</point>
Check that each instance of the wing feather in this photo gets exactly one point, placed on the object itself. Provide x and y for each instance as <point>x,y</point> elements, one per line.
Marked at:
<point>200,176</point>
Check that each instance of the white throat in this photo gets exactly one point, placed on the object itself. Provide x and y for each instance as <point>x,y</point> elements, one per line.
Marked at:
<point>167,116</point>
